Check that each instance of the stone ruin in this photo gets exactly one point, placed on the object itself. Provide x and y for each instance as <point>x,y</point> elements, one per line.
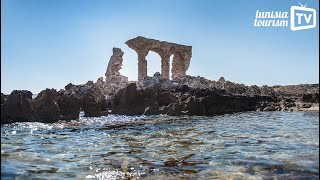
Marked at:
<point>114,80</point>
<point>180,64</point>
<point>183,95</point>
<point>181,60</point>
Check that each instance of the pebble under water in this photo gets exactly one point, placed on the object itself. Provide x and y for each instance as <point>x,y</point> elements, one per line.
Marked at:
<point>250,145</point>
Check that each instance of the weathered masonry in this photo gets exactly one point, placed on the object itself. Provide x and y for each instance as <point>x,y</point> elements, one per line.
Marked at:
<point>181,59</point>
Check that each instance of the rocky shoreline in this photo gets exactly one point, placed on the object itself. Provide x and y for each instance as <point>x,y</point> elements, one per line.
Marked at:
<point>183,95</point>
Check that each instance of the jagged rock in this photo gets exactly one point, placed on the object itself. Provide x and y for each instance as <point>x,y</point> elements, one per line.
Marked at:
<point>150,81</point>
<point>252,91</point>
<point>80,90</point>
<point>216,103</point>
<point>100,82</point>
<point>195,106</point>
<point>132,96</point>
<point>69,106</point>
<point>267,91</point>
<point>69,86</point>
<point>286,104</point>
<point>89,83</point>
<point>304,105</point>
<point>194,82</point>
<point>296,91</point>
<point>310,98</point>
<point>222,80</point>
<point>183,89</point>
<point>101,86</point>
<point>176,109</point>
<point>93,105</point>
<point>46,106</point>
<point>18,107</point>
<point>128,101</point>
<point>3,98</point>
<point>49,106</point>
<point>89,97</point>
<point>178,99</point>
<point>271,108</point>
<point>165,98</point>
<point>234,88</point>
<point>156,100</point>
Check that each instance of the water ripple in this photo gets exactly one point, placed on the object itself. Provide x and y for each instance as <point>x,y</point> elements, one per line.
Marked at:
<point>252,145</point>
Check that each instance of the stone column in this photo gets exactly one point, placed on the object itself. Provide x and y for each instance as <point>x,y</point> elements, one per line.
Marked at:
<point>142,65</point>
<point>178,66</point>
<point>165,66</point>
<point>186,60</point>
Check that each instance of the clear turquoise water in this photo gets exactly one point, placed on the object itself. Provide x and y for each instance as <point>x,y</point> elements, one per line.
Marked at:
<point>251,145</point>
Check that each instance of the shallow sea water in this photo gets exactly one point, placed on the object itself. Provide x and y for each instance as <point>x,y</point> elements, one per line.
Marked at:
<point>251,145</point>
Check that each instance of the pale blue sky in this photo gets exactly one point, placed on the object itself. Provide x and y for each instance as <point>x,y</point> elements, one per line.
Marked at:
<point>49,43</point>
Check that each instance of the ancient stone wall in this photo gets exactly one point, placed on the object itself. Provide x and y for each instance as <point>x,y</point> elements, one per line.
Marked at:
<point>114,80</point>
<point>115,63</point>
<point>181,60</point>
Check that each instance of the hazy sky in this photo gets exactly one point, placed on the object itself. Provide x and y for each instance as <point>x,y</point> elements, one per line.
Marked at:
<point>49,43</point>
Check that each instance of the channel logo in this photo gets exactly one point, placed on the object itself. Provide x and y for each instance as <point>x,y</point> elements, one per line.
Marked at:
<point>302,18</point>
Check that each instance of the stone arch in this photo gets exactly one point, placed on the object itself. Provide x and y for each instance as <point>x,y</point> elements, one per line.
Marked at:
<point>154,62</point>
<point>165,61</point>
<point>180,62</point>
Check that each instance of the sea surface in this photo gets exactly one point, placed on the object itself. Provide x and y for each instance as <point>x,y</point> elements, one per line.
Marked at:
<point>251,145</point>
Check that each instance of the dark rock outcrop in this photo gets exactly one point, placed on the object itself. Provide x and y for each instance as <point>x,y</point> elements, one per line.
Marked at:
<point>185,101</point>
<point>18,107</point>
<point>128,101</point>
<point>46,106</point>
<point>310,98</point>
<point>299,96</point>
<point>93,106</point>
<point>3,98</point>
<point>184,96</point>
<point>69,105</point>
